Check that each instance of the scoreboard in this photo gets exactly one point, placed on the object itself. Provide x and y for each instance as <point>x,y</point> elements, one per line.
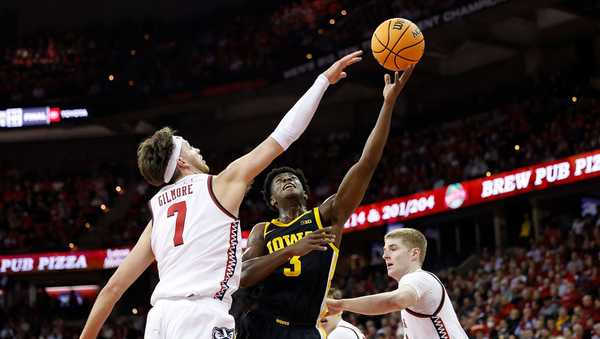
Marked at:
<point>38,116</point>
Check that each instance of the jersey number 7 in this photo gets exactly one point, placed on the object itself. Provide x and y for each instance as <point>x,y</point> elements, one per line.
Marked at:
<point>181,209</point>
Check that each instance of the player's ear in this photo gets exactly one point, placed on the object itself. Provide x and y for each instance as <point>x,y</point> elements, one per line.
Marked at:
<point>182,163</point>
<point>415,252</point>
<point>273,202</point>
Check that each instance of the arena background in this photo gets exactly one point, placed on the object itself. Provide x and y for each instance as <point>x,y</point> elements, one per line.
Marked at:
<point>494,153</point>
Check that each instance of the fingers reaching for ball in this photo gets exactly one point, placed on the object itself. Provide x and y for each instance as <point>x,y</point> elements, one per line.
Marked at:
<point>392,90</point>
<point>336,72</point>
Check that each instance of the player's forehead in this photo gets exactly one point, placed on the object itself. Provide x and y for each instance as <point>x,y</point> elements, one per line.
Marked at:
<point>187,145</point>
<point>285,175</point>
<point>393,243</point>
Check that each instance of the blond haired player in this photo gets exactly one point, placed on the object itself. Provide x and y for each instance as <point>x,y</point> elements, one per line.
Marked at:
<point>194,231</point>
<point>425,307</point>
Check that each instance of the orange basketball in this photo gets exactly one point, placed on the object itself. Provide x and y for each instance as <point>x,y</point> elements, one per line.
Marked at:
<point>397,44</point>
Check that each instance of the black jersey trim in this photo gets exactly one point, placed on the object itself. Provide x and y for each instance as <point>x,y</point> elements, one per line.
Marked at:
<point>214,199</point>
<point>440,328</point>
<point>320,226</point>
<point>281,224</point>
<point>351,329</point>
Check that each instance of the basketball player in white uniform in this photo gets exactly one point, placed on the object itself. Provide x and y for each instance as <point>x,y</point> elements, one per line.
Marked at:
<point>335,326</point>
<point>194,233</point>
<point>425,307</point>
<point>338,328</point>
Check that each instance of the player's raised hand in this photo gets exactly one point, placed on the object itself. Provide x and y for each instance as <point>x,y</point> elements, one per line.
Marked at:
<point>391,90</point>
<point>336,72</point>
<point>315,241</point>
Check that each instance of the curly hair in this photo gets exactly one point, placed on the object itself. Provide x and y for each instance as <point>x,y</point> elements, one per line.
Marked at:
<point>266,192</point>
<point>153,155</point>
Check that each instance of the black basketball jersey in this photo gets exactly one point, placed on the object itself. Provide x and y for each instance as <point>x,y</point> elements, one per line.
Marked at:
<point>295,292</point>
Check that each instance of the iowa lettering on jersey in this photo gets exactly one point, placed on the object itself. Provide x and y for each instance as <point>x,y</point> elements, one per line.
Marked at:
<point>283,241</point>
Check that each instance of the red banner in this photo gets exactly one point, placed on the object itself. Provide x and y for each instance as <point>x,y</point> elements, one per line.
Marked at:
<point>62,261</point>
<point>455,196</point>
<point>478,191</point>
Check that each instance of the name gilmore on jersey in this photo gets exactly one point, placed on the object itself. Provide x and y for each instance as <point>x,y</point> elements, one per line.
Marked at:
<point>172,194</point>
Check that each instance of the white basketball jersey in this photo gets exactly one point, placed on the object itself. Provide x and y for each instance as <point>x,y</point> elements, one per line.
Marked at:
<point>195,242</point>
<point>345,330</point>
<point>433,316</point>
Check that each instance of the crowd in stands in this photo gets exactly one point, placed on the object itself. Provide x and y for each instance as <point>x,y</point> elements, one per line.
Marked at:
<point>152,58</point>
<point>544,128</point>
<point>548,289</point>
<point>44,212</point>
<point>29,312</point>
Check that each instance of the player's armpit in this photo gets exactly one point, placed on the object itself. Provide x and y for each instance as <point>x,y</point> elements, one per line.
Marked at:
<point>231,184</point>
<point>405,296</point>
<point>350,193</point>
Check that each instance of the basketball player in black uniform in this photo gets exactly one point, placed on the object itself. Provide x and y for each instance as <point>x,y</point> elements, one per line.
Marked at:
<point>294,256</point>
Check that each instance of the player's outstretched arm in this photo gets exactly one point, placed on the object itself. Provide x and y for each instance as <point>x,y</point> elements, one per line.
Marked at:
<point>376,304</point>
<point>230,185</point>
<point>256,266</point>
<point>351,191</point>
<point>137,261</point>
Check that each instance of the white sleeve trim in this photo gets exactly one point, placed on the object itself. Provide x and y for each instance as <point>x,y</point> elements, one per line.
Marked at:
<point>298,117</point>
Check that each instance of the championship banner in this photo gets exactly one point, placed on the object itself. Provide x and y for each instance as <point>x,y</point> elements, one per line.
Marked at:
<point>62,261</point>
<point>537,177</point>
<point>444,17</point>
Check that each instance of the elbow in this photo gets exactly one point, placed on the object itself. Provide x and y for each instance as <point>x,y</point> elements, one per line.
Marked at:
<point>368,164</point>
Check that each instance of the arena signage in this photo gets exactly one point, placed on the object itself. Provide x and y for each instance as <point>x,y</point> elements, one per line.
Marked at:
<point>424,24</point>
<point>478,191</point>
<point>62,261</point>
<point>38,116</point>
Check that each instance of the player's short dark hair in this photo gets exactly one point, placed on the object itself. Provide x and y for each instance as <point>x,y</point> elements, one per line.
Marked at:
<point>153,155</point>
<point>275,172</point>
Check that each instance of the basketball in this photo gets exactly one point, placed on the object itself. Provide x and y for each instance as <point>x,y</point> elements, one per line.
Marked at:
<point>397,44</point>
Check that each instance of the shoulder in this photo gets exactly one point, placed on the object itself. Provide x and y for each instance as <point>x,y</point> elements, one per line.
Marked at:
<point>257,234</point>
<point>346,330</point>
<point>421,281</point>
<point>259,229</point>
<point>256,241</point>
<point>420,275</point>
<point>324,210</point>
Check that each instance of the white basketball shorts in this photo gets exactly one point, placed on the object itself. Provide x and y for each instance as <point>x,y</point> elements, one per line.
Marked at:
<point>189,319</point>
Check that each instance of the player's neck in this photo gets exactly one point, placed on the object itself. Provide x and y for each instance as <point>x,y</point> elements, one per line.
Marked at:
<point>185,172</point>
<point>289,213</point>
<point>413,268</point>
